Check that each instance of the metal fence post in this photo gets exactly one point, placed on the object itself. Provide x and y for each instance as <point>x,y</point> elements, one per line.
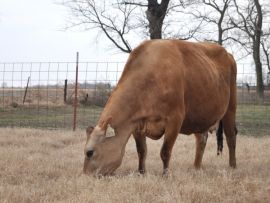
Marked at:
<point>65,91</point>
<point>76,92</point>
<point>25,92</point>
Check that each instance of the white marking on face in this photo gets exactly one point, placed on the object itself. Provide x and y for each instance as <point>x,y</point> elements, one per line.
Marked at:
<point>95,137</point>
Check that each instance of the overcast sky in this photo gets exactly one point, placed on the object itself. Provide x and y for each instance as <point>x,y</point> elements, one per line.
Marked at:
<point>32,30</point>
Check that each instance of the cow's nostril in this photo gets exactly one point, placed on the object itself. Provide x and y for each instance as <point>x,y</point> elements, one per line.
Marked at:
<point>89,153</point>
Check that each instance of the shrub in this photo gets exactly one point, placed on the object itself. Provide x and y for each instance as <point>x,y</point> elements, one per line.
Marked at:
<point>96,95</point>
<point>14,104</point>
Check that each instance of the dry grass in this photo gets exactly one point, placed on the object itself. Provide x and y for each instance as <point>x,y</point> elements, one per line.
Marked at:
<point>45,166</point>
<point>52,96</point>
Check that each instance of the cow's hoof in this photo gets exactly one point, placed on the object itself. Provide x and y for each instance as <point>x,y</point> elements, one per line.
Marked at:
<point>166,173</point>
<point>197,166</point>
<point>141,171</point>
<point>233,165</point>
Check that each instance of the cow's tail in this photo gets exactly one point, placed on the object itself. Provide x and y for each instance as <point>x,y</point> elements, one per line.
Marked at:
<point>219,134</point>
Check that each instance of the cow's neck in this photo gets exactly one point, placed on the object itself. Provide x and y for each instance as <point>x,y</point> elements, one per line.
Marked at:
<point>120,108</point>
<point>122,134</point>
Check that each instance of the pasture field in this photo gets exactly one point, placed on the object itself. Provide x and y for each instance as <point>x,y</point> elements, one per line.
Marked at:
<point>46,166</point>
<point>44,108</point>
<point>50,117</point>
<point>251,119</point>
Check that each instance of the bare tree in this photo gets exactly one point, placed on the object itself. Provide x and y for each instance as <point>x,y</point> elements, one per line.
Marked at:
<point>123,20</point>
<point>215,14</point>
<point>156,13</point>
<point>114,20</point>
<point>179,23</point>
<point>249,22</point>
<point>266,50</point>
<point>265,42</point>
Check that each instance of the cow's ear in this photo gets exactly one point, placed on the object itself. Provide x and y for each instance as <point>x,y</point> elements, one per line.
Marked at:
<point>105,124</point>
<point>89,130</point>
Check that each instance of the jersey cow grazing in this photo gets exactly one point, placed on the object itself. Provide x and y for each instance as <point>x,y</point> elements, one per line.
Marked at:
<point>167,87</point>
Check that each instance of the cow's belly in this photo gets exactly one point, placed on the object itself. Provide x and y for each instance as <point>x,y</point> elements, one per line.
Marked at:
<point>196,126</point>
<point>200,116</point>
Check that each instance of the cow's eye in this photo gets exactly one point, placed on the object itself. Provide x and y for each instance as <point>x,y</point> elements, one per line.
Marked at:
<point>89,153</point>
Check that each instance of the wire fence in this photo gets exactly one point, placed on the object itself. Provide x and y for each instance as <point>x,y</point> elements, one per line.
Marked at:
<point>42,95</point>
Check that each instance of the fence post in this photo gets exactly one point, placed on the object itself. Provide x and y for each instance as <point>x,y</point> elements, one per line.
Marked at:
<point>76,91</point>
<point>25,92</point>
<point>65,91</point>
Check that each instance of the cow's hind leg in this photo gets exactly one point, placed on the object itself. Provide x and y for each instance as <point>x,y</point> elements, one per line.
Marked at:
<point>201,140</point>
<point>230,132</point>
<point>141,149</point>
<point>219,135</point>
<point>170,136</point>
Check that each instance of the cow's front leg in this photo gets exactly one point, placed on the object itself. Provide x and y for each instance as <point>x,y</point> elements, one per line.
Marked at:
<point>201,139</point>
<point>141,149</point>
<point>171,133</point>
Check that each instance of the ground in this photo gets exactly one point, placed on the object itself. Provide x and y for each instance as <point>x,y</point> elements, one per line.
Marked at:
<point>46,166</point>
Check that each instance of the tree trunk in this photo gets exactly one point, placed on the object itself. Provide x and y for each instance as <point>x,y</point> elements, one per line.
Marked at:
<point>219,24</point>
<point>259,75</point>
<point>256,50</point>
<point>155,27</point>
<point>220,33</point>
<point>155,15</point>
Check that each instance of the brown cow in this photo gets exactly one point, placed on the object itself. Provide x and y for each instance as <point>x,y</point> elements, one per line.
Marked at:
<point>167,87</point>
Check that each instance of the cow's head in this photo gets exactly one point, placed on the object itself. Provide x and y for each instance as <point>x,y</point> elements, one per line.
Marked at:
<point>103,155</point>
